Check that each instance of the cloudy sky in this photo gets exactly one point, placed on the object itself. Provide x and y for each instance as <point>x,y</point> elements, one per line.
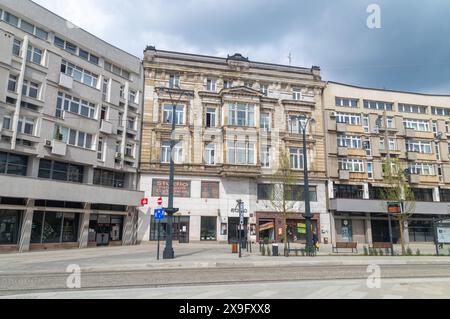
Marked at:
<point>410,51</point>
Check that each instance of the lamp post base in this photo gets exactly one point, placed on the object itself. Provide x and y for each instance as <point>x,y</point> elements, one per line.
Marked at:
<point>168,253</point>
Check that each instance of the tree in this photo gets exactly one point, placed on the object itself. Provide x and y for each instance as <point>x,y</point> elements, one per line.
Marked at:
<point>281,191</point>
<point>399,190</point>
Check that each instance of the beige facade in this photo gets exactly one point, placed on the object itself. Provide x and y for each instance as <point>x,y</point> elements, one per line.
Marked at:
<point>233,109</point>
<point>357,143</point>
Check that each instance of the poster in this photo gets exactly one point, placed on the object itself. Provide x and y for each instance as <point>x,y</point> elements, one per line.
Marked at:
<point>160,188</point>
<point>443,235</point>
<point>301,228</point>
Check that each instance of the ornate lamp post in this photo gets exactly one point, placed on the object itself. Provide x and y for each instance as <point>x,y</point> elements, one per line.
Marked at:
<point>170,210</point>
<point>303,125</point>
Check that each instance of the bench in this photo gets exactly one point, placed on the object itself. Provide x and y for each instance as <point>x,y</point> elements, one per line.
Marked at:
<point>386,246</point>
<point>352,246</point>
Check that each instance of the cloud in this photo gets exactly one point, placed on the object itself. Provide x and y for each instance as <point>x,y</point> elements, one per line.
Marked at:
<point>407,53</point>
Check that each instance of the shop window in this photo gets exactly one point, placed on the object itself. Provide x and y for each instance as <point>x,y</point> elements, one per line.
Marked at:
<point>208,229</point>
<point>50,227</point>
<point>9,227</point>
<point>210,189</point>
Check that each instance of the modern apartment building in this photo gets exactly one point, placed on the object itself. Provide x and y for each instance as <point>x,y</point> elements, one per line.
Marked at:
<point>233,121</point>
<point>363,126</point>
<point>70,120</point>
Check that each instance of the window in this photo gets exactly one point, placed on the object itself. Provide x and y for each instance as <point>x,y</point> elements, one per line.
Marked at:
<point>27,27</point>
<point>418,125</point>
<point>73,137</point>
<point>265,121</point>
<point>6,122</point>
<point>74,105</point>
<point>438,152</point>
<point>409,108</point>
<point>392,144</point>
<point>345,102</point>
<point>116,70</point>
<point>88,56</point>
<point>165,152</point>
<point>12,83</point>
<point>264,89</point>
<point>241,153</point>
<point>109,178</point>
<point>349,141</point>
<point>348,191</point>
<point>208,231</point>
<point>129,150</point>
<point>423,194</point>
<point>79,74</point>
<point>11,19</point>
<point>422,169</point>
<point>366,124</point>
<point>30,89</point>
<point>174,81</point>
<point>26,125</point>
<point>211,85</point>
<point>59,42</point>
<point>419,147</point>
<point>65,45</point>
<point>9,225</point>
<point>351,165</point>
<point>100,144</point>
<point>120,119</point>
<point>265,156</point>
<point>296,94</point>
<point>34,54</point>
<point>210,189</point>
<point>132,96</point>
<point>297,193</point>
<point>390,122</point>
<point>370,170</point>
<point>168,116</point>
<point>17,44</point>
<point>210,117</point>
<point>227,84</point>
<point>105,89</point>
<point>377,105</point>
<point>348,118</point>
<point>41,34</point>
<point>440,111</point>
<point>60,171</point>
<point>296,158</point>
<point>296,123</point>
<point>51,227</point>
<point>241,114</point>
<point>210,151</point>
<point>265,191</point>
<point>13,164</point>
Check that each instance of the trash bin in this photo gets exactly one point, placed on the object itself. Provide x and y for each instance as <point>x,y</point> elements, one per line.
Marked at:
<point>234,248</point>
<point>274,249</point>
<point>325,240</point>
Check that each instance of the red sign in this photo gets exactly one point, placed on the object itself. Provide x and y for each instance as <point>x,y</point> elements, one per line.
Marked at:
<point>144,201</point>
<point>160,201</point>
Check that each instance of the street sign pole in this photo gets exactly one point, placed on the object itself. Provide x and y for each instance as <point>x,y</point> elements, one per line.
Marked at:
<point>157,251</point>
<point>390,234</point>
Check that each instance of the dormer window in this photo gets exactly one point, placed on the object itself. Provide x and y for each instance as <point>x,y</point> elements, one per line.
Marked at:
<point>211,85</point>
<point>264,89</point>
<point>296,94</point>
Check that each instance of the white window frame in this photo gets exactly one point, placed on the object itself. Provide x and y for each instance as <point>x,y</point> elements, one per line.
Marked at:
<point>370,170</point>
<point>212,113</point>
<point>422,147</point>
<point>211,85</point>
<point>210,154</point>
<point>296,94</point>
<point>34,54</point>
<point>17,47</point>
<point>265,156</point>
<point>348,118</point>
<point>79,74</point>
<point>424,169</point>
<point>236,109</point>
<point>29,87</point>
<point>351,165</point>
<point>349,141</point>
<point>417,125</point>
<point>296,158</point>
<point>346,102</point>
<point>179,114</point>
<point>66,103</point>
<point>23,122</point>
<point>12,80</point>
<point>265,121</point>
<point>244,153</point>
<point>174,81</point>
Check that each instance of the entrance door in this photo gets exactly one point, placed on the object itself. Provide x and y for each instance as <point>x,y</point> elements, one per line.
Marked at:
<point>233,232</point>
<point>103,231</point>
<point>184,232</point>
<point>347,231</point>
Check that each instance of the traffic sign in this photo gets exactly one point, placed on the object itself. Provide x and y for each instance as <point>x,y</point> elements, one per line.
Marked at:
<point>159,201</point>
<point>159,214</point>
<point>144,201</point>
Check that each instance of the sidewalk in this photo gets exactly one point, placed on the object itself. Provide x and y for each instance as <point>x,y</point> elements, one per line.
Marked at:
<point>194,255</point>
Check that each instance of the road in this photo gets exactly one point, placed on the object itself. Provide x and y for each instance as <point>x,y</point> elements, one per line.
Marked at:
<point>397,281</point>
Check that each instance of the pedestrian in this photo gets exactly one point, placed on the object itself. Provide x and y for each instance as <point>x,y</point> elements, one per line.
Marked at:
<point>316,242</point>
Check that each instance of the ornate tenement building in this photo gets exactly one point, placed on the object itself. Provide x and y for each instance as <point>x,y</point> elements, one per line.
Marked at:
<point>356,120</point>
<point>235,118</point>
<point>70,114</point>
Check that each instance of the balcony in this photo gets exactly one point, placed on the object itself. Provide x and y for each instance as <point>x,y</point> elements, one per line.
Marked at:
<point>414,179</point>
<point>343,127</point>
<point>65,81</point>
<point>342,151</point>
<point>411,133</point>
<point>106,127</point>
<point>391,152</point>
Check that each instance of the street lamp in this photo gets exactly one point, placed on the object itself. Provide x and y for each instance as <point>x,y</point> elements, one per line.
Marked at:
<point>170,210</point>
<point>303,125</point>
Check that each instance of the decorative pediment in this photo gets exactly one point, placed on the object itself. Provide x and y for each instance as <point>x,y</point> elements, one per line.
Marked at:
<point>242,91</point>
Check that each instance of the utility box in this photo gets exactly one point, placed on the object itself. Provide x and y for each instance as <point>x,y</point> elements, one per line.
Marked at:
<point>274,249</point>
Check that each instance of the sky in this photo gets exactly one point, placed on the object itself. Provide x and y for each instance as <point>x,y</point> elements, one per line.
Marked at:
<point>409,52</point>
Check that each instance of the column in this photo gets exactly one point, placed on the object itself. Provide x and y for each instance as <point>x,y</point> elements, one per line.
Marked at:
<point>436,195</point>
<point>129,228</point>
<point>366,191</point>
<point>368,222</point>
<point>333,229</point>
<point>25,234</point>
<point>406,232</point>
<point>84,227</point>
<point>330,189</point>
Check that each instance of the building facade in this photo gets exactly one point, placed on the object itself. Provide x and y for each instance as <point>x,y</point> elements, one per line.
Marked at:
<point>70,117</point>
<point>365,126</point>
<point>233,121</point>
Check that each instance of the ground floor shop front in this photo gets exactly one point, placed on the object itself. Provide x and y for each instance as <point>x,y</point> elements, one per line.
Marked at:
<point>367,228</point>
<point>48,225</point>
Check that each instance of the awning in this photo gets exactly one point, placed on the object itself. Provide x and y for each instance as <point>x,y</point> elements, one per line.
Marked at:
<point>266,226</point>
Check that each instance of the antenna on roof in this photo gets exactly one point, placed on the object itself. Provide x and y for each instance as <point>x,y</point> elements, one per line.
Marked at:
<point>290,58</point>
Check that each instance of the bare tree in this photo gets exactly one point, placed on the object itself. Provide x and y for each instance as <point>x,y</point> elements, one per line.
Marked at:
<point>283,180</point>
<point>399,191</point>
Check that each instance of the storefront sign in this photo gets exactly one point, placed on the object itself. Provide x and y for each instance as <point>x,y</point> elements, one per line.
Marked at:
<point>443,235</point>
<point>160,188</point>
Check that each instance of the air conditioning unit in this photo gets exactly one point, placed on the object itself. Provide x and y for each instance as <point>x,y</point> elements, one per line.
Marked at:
<point>118,155</point>
<point>333,115</point>
<point>48,143</point>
